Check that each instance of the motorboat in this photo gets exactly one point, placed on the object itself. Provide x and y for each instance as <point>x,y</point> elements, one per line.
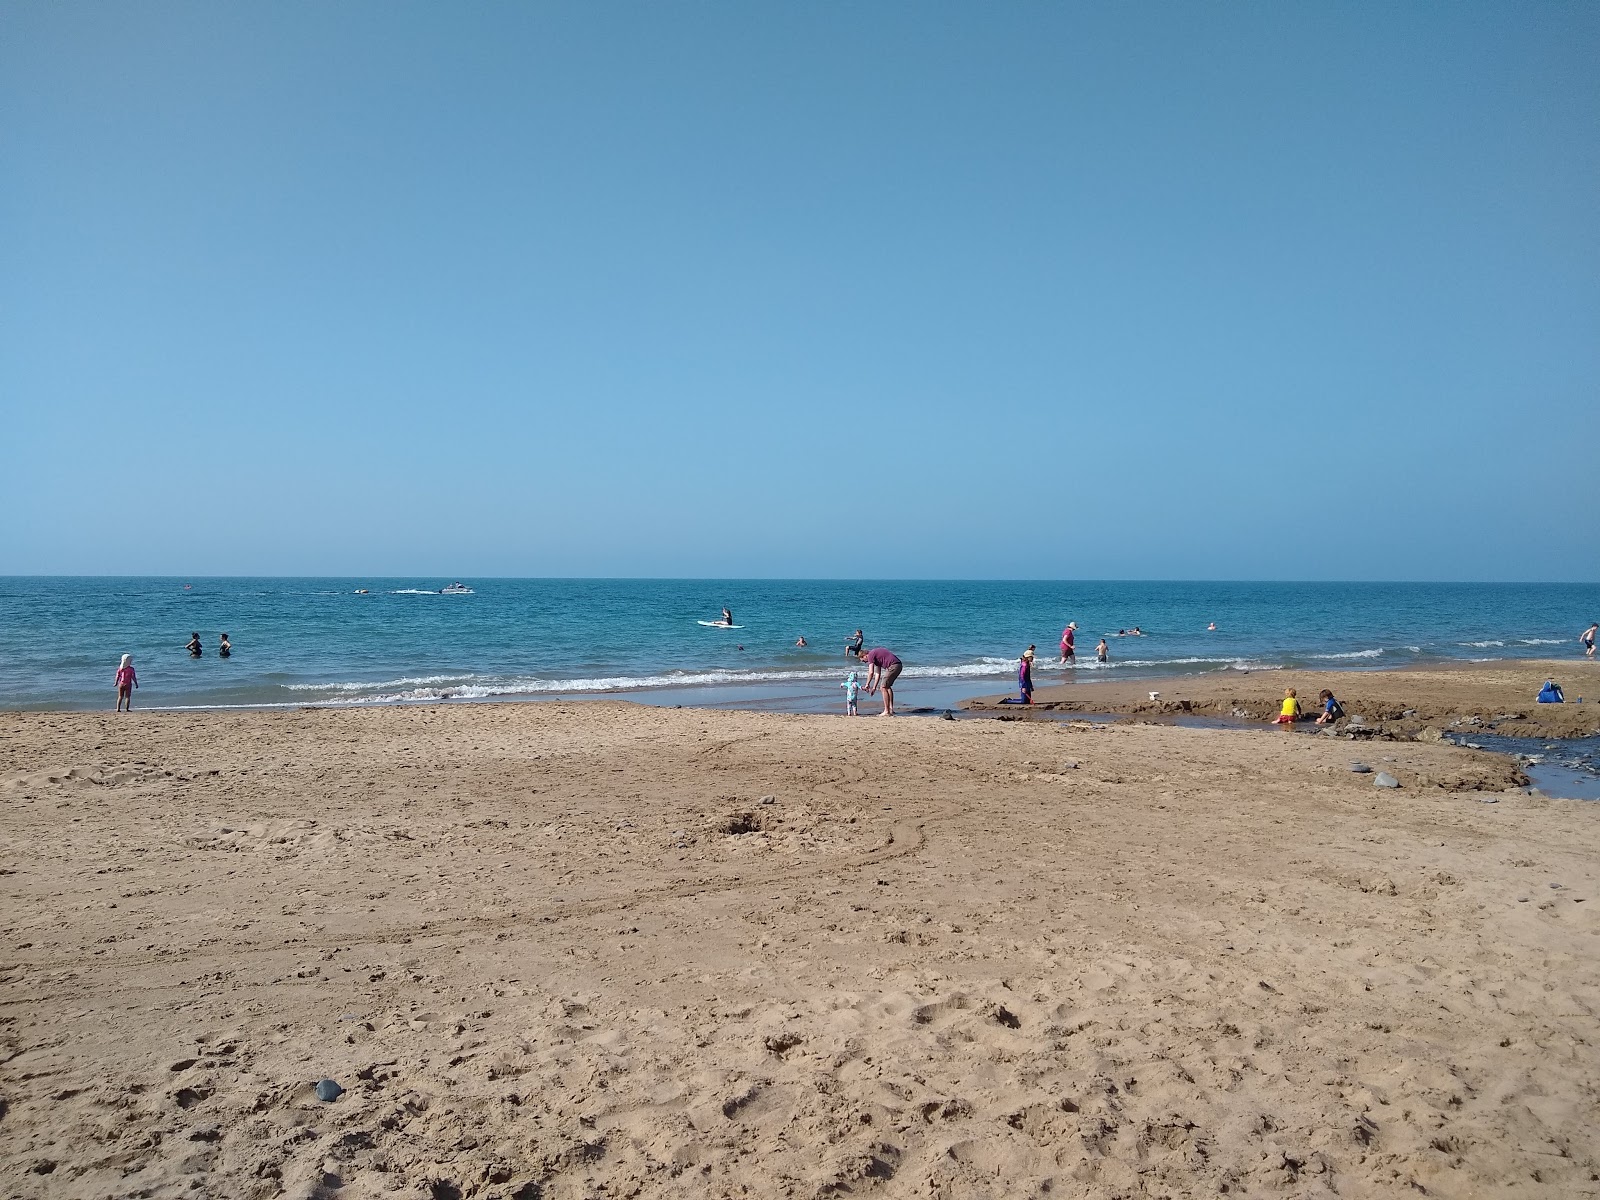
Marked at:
<point>456,589</point>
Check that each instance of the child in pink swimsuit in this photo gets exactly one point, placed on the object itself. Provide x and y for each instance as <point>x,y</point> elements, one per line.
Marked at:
<point>126,682</point>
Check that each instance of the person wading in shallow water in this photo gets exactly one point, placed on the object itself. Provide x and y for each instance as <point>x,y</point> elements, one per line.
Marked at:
<point>883,668</point>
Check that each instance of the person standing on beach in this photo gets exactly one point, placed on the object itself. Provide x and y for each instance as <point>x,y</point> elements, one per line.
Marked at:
<point>883,668</point>
<point>194,647</point>
<point>853,646</point>
<point>1025,675</point>
<point>126,682</point>
<point>1069,638</point>
<point>1587,638</point>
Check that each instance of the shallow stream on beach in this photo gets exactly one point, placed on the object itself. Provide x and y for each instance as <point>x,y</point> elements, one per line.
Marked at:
<point>1567,769</point>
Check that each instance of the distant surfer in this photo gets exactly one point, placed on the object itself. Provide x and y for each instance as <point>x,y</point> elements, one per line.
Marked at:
<point>727,616</point>
<point>1587,638</point>
<point>883,668</point>
<point>194,647</point>
<point>225,650</point>
<point>853,646</point>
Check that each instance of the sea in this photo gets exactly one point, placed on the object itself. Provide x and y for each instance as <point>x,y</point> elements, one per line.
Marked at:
<point>394,641</point>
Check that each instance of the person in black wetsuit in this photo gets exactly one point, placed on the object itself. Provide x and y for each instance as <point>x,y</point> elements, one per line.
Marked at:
<point>225,650</point>
<point>194,647</point>
<point>853,646</point>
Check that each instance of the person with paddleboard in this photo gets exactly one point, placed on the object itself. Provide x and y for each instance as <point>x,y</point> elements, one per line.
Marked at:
<point>883,668</point>
<point>727,616</point>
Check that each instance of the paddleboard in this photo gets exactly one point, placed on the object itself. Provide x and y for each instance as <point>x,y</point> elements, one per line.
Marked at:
<point>718,625</point>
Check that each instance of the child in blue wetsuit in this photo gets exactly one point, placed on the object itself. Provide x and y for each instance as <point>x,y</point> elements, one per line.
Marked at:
<point>852,689</point>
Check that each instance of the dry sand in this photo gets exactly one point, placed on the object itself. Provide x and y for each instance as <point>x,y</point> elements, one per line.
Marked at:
<point>568,951</point>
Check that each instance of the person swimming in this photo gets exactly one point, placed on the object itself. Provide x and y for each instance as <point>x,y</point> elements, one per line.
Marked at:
<point>801,641</point>
<point>194,647</point>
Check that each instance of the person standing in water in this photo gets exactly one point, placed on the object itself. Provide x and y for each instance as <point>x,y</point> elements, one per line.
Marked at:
<point>1069,638</point>
<point>853,646</point>
<point>194,647</point>
<point>1102,652</point>
<point>225,650</point>
<point>127,680</point>
<point>883,668</point>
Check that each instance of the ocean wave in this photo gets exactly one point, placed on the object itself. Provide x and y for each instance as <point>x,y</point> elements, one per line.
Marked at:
<point>414,592</point>
<point>1542,641</point>
<point>1481,646</point>
<point>1350,654</point>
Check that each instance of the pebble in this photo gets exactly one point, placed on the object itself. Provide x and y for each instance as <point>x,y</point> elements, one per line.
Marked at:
<point>1360,768</point>
<point>1386,780</point>
<point>328,1091</point>
<point>1489,800</point>
<point>1558,886</point>
<point>769,799</point>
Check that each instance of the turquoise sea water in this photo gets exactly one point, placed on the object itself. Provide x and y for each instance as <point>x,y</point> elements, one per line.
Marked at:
<point>316,641</point>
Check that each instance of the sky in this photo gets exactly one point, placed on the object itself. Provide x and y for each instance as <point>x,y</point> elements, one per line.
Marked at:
<point>1034,290</point>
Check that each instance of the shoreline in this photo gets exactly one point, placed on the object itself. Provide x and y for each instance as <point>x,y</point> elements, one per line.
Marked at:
<point>949,688</point>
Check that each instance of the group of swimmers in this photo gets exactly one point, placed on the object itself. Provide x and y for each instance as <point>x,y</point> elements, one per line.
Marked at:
<point>195,649</point>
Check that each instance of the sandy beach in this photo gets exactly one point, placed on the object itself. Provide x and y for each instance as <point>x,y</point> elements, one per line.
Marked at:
<point>585,950</point>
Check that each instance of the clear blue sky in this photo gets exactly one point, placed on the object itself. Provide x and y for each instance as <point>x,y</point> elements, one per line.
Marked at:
<point>1250,290</point>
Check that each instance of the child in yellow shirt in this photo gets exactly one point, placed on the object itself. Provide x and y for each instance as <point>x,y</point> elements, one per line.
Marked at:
<point>1291,709</point>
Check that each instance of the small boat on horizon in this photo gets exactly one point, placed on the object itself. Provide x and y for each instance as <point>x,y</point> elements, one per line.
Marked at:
<point>456,589</point>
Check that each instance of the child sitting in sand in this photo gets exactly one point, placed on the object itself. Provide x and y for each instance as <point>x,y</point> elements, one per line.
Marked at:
<point>1291,710</point>
<point>1332,710</point>
<point>126,682</point>
<point>852,689</point>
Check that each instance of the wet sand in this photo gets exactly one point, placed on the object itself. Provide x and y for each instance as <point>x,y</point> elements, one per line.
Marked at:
<point>608,950</point>
<point>1404,704</point>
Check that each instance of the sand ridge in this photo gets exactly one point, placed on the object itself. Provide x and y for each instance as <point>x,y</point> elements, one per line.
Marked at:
<point>598,949</point>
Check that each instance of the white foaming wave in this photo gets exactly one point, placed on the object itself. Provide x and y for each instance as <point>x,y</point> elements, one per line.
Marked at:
<point>1543,641</point>
<point>1481,646</point>
<point>1350,654</point>
<point>414,592</point>
<point>417,681</point>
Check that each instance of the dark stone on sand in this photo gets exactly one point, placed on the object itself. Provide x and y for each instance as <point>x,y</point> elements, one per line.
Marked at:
<point>1385,780</point>
<point>769,799</point>
<point>328,1091</point>
<point>1360,768</point>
